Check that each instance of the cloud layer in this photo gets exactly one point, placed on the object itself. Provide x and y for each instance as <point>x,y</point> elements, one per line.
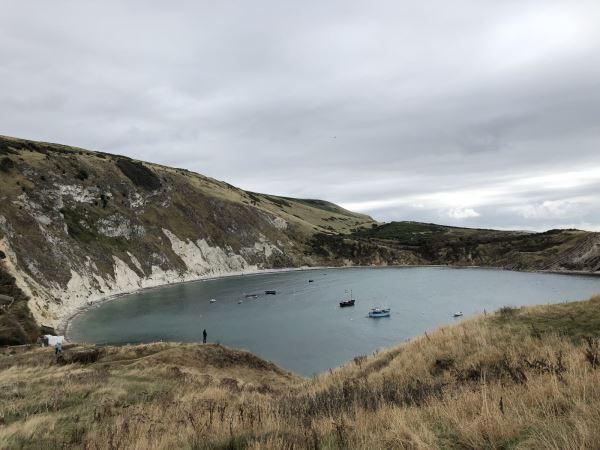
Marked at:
<point>471,113</point>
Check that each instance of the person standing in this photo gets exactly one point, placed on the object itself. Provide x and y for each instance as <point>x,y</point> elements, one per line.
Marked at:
<point>57,348</point>
<point>204,334</point>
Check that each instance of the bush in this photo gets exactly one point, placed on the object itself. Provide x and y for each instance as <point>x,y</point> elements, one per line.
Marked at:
<point>82,175</point>
<point>139,174</point>
<point>81,357</point>
<point>5,148</point>
<point>6,164</point>
<point>17,325</point>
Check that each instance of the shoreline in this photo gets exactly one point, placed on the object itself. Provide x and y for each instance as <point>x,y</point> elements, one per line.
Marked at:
<point>65,324</point>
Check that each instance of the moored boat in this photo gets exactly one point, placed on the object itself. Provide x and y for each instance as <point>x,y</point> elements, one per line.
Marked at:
<point>349,302</point>
<point>270,292</point>
<point>458,314</point>
<point>379,312</point>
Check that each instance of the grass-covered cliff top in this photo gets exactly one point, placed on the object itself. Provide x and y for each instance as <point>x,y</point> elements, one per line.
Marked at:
<point>519,378</point>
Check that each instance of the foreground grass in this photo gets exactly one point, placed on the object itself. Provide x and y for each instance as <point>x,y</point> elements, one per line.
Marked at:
<point>521,378</point>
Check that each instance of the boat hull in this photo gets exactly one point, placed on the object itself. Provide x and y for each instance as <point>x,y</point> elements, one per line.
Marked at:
<point>377,315</point>
<point>377,312</point>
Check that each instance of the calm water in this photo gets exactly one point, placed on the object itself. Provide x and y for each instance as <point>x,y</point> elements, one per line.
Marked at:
<point>302,328</point>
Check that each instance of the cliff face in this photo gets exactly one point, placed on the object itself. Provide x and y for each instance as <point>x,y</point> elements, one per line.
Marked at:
<point>77,226</point>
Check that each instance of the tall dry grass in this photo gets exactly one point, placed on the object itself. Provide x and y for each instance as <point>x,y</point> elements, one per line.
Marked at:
<point>491,382</point>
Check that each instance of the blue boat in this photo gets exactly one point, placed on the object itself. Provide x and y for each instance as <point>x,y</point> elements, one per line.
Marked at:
<point>379,312</point>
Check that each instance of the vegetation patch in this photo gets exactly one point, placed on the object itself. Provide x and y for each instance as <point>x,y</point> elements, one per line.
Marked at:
<point>573,320</point>
<point>279,201</point>
<point>5,148</point>
<point>324,205</point>
<point>82,175</point>
<point>79,226</point>
<point>6,164</point>
<point>17,325</point>
<point>412,233</point>
<point>139,174</point>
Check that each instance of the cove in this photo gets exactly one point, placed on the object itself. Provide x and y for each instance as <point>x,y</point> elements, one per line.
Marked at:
<point>302,328</point>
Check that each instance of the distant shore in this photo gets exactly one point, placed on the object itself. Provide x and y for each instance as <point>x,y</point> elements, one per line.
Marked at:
<point>65,324</point>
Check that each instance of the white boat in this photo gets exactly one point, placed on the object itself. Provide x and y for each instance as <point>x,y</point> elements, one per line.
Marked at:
<point>212,300</point>
<point>379,312</point>
<point>458,314</point>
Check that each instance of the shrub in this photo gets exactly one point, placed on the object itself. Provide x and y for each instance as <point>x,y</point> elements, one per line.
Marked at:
<point>81,357</point>
<point>5,148</point>
<point>507,311</point>
<point>82,175</point>
<point>6,164</point>
<point>139,174</point>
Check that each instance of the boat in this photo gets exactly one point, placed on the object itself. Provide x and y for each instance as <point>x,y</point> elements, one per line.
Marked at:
<point>240,302</point>
<point>349,302</point>
<point>212,300</point>
<point>379,312</point>
<point>310,281</point>
<point>458,314</point>
<point>270,292</point>
<point>251,295</point>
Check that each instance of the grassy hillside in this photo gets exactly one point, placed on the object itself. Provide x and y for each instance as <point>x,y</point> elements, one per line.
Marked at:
<point>417,233</point>
<point>438,244</point>
<point>520,378</point>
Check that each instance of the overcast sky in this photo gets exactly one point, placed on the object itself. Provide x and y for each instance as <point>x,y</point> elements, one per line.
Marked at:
<point>478,113</point>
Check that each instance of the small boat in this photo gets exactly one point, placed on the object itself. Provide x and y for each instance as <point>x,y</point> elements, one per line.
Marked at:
<point>251,295</point>
<point>212,300</point>
<point>310,281</point>
<point>349,302</point>
<point>379,312</point>
<point>270,292</point>
<point>458,314</point>
<point>240,302</point>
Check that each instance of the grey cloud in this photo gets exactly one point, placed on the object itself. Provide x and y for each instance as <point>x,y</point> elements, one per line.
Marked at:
<point>422,111</point>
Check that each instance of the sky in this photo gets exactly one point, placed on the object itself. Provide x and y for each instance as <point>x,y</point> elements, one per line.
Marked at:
<point>474,113</point>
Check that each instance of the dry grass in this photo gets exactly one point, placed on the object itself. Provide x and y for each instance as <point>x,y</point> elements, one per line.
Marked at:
<point>493,382</point>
